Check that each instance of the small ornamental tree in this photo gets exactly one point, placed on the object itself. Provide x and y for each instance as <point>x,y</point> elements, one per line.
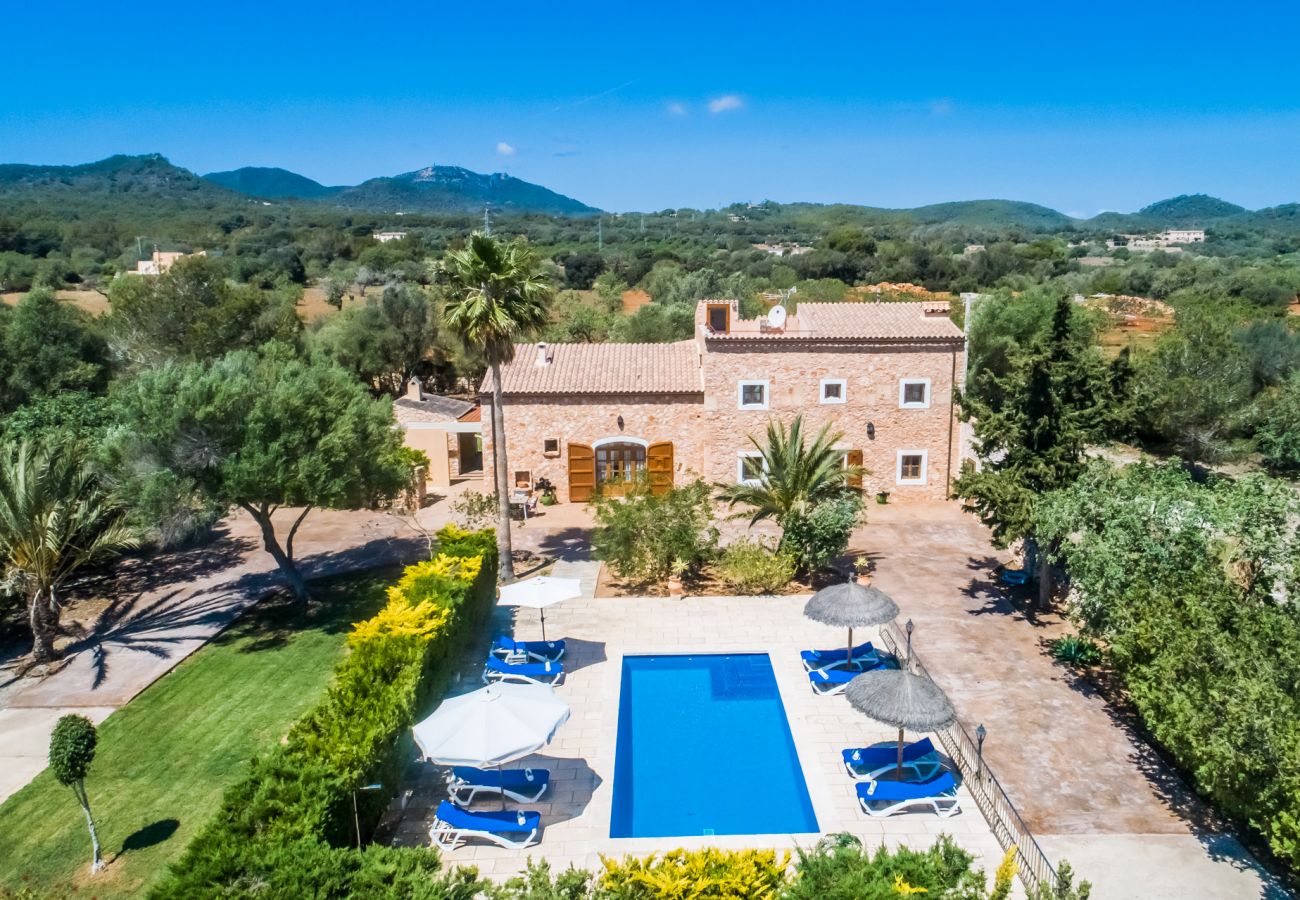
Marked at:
<point>72,750</point>
<point>263,431</point>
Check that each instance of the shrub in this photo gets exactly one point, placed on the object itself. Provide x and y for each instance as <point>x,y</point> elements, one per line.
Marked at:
<point>839,868</point>
<point>641,535</point>
<point>696,875</point>
<point>1073,650</point>
<point>750,567</point>
<point>280,830</point>
<point>819,535</point>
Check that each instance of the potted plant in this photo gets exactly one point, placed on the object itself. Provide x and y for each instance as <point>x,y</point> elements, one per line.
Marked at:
<point>882,497</point>
<point>675,573</point>
<point>547,491</point>
<point>862,566</point>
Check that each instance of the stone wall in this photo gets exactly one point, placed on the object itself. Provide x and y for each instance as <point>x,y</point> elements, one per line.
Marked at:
<point>708,432</point>
<point>530,421</point>
<point>872,374</point>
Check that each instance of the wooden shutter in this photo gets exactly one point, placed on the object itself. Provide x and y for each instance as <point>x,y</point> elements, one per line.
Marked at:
<point>854,458</point>
<point>659,465</point>
<point>582,473</point>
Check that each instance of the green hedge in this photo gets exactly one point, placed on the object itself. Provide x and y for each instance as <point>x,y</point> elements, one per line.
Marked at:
<point>285,829</point>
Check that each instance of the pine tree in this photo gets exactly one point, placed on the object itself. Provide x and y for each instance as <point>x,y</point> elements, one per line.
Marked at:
<point>1055,401</point>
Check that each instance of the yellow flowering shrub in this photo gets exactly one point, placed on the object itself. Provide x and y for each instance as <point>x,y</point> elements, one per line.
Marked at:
<point>708,874</point>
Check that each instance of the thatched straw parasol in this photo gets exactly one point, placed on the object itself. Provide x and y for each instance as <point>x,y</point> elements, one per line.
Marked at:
<point>899,698</point>
<point>851,605</point>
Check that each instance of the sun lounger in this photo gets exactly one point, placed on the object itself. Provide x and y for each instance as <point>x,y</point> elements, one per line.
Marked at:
<point>831,681</point>
<point>524,673</point>
<point>884,798</point>
<point>520,651</point>
<point>920,759</point>
<point>863,654</point>
<point>453,826</point>
<point>464,783</point>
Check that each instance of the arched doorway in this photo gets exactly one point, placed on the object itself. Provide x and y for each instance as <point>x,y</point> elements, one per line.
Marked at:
<point>619,463</point>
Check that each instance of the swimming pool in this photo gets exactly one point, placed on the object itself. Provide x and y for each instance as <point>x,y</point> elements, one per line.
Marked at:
<point>704,747</point>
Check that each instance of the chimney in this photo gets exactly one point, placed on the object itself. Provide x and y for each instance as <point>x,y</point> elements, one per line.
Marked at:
<point>414,390</point>
<point>543,358</point>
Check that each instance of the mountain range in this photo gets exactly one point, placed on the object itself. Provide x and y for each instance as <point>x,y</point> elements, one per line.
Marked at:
<point>151,179</point>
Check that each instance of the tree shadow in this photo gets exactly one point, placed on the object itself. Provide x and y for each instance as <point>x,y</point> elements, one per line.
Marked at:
<point>150,835</point>
<point>572,544</point>
<point>995,598</point>
<point>155,626</point>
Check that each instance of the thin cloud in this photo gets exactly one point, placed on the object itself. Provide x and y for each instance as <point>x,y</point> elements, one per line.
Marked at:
<point>941,107</point>
<point>676,109</point>
<point>725,103</point>
<point>505,149</point>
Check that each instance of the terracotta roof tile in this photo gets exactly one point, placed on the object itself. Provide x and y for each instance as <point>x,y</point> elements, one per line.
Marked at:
<point>858,321</point>
<point>433,408</point>
<point>603,369</point>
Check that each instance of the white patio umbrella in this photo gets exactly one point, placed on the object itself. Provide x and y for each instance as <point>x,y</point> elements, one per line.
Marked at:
<point>541,592</point>
<point>491,726</point>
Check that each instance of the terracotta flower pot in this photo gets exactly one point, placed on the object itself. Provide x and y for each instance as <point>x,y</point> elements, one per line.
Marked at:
<point>675,586</point>
<point>864,579</point>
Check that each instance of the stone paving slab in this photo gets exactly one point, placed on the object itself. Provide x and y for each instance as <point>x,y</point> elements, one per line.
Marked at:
<point>576,812</point>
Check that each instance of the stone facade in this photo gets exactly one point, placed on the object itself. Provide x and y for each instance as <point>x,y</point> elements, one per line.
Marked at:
<point>709,430</point>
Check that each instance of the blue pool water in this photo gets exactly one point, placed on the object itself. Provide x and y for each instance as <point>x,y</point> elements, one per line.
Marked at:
<point>704,747</point>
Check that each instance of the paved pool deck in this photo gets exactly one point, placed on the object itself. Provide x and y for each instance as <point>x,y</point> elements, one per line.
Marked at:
<point>576,812</point>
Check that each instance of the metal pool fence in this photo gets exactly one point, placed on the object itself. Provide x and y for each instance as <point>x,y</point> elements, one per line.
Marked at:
<point>1010,829</point>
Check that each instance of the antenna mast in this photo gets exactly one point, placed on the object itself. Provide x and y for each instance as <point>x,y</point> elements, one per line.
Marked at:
<point>487,222</point>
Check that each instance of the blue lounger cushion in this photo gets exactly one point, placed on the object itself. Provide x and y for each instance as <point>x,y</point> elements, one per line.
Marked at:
<point>884,798</point>
<point>831,681</point>
<point>819,659</point>
<point>539,650</point>
<point>497,822</point>
<point>545,672</point>
<point>510,779</point>
<point>920,757</point>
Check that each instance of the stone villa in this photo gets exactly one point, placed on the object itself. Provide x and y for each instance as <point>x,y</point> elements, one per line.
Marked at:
<point>594,416</point>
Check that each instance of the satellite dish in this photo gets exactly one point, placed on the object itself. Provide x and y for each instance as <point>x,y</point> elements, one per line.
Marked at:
<point>776,316</point>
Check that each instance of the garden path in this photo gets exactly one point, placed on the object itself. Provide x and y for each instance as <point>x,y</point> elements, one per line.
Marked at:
<point>1089,787</point>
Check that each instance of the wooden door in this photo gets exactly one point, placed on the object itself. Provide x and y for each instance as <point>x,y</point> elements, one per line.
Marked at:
<point>659,464</point>
<point>854,458</point>
<point>582,473</point>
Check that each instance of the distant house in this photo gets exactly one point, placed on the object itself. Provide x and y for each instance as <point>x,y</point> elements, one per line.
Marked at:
<point>1165,240</point>
<point>160,261</point>
<point>788,249</point>
<point>448,430</point>
<point>594,417</point>
<point>972,249</point>
<point>385,236</point>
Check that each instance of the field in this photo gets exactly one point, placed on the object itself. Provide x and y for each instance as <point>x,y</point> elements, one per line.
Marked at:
<point>165,758</point>
<point>92,302</point>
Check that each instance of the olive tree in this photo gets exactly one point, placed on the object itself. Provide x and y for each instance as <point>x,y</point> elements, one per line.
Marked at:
<point>264,431</point>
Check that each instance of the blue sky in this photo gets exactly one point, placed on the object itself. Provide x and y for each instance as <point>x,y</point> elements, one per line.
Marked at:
<point>1081,107</point>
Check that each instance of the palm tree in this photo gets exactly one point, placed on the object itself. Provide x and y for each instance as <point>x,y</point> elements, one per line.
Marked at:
<point>499,293</point>
<point>795,476</point>
<point>56,516</point>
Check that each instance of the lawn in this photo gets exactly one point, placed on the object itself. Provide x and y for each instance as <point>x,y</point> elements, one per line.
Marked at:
<point>164,758</point>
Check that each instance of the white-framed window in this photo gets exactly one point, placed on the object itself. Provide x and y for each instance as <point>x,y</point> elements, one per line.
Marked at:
<point>751,395</point>
<point>833,390</point>
<point>912,466</point>
<point>750,467</point>
<point>914,393</point>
